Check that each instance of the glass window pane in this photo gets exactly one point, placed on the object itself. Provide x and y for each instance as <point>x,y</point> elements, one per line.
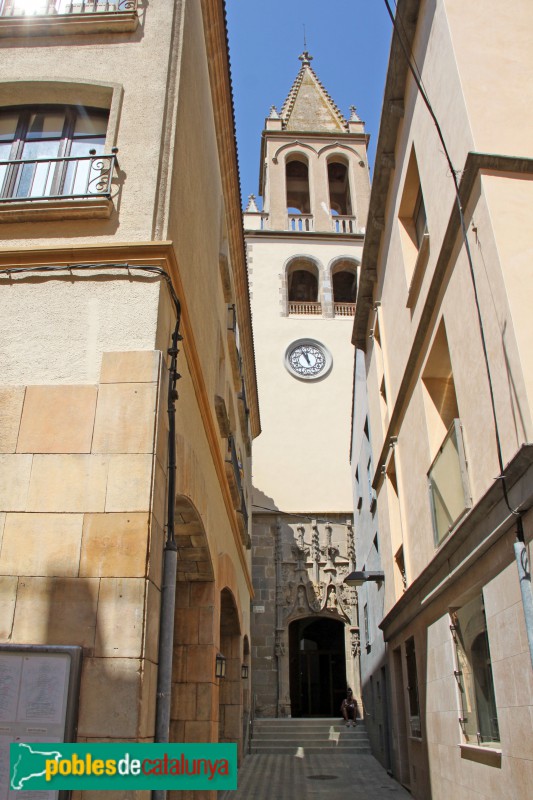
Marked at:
<point>447,489</point>
<point>8,126</point>
<point>29,7</point>
<point>41,149</point>
<point>82,147</point>
<point>90,124</point>
<point>480,719</point>
<point>35,180</point>
<point>47,125</point>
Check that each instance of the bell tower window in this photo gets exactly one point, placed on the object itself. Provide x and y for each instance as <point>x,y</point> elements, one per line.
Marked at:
<point>297,182</point>
<point>339,189</point>
<point>303,287</point>
<point>344,286</point>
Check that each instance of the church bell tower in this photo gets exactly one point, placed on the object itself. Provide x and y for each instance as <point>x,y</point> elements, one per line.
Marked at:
<point>304,249</point>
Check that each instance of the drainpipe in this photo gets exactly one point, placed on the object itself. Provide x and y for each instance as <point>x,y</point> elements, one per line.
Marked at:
<point>170,562</point>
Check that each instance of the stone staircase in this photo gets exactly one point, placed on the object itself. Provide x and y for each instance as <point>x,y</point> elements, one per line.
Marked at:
<point>287,736</point>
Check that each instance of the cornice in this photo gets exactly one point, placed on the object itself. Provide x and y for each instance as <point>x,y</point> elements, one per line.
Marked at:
<point>292,134</point>
<point>353,238</point>
<point>221,94</point>
<point>388,131</point>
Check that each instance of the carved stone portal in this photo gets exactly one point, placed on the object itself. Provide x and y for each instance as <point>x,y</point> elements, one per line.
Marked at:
<point>312,561</point>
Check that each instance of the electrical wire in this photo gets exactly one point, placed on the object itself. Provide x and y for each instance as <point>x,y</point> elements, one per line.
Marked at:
<point>407,51</point>
<point>105,265</point>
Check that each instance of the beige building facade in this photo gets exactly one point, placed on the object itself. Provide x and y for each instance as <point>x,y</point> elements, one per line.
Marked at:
<point>303,250</point>
<point>443,330</point>
<point>120,219</point>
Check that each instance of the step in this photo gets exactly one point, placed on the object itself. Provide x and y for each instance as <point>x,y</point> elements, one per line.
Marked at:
<point>308,735</point>
<point>295,725</point>
<point>344,735</point>
<point>294,749</point>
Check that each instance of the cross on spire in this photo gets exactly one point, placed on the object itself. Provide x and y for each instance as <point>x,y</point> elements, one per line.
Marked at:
<point>305,58</point>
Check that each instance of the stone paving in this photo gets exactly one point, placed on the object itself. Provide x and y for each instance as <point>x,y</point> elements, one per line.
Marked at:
<point>281,777</point>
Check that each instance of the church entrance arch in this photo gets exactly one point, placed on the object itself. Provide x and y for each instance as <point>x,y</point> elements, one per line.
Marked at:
<point>317,666</point>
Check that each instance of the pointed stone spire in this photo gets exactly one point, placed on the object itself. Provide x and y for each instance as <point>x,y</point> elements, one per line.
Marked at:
<point>355,124</point>
<point>251,208</point>
<point>273,113</point>
<point>308,106</point>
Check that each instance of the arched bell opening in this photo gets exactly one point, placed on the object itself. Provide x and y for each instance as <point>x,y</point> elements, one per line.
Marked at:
<point>344,286</point>
<point>340,201</point>
<point>297,185</point>
<point>303,287</point>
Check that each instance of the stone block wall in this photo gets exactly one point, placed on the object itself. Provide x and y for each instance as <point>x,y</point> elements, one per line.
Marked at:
<point>264,662</point>
<point>82,512</point>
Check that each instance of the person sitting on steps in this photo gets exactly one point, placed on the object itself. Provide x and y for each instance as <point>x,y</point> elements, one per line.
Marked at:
<point>349,709</point>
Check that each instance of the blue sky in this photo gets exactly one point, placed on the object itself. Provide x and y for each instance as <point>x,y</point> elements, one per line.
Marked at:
<point>348,39</point>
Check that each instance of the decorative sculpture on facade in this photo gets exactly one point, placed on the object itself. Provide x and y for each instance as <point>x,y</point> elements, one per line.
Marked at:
<point>355,641</point>
<point>312,581</point>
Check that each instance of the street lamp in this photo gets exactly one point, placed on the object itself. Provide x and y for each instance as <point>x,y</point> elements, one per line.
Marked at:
<point>360,578</point>
<point>220,666</point>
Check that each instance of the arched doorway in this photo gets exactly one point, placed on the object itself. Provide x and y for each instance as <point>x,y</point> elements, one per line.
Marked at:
<point>317,666</point>
<point>230,697</point>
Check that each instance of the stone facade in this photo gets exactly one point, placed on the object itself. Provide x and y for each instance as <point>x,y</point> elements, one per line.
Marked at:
<point>299,571</point>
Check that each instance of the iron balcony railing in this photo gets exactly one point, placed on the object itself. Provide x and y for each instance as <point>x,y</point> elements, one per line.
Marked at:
<point>46,179</point>
<point>44,8</point>
<point>244,510</point>
<point>235,463</point>
<point>236,479</point>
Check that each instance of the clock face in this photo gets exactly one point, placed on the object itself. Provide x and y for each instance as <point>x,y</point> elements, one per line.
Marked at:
<point>307,359</point>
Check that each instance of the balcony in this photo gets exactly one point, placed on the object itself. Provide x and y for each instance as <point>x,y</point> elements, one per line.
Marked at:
<point>344,309</point>
<point>244,414</point>
<point>234,475</point>
<point>38,17</point>
<point>300,223</point>
<point>242,520</point>
<point>449,492</point>
<point>344,224</point>
<point>57,188</point>
<point>232,333</point>
<point>306,308</point>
